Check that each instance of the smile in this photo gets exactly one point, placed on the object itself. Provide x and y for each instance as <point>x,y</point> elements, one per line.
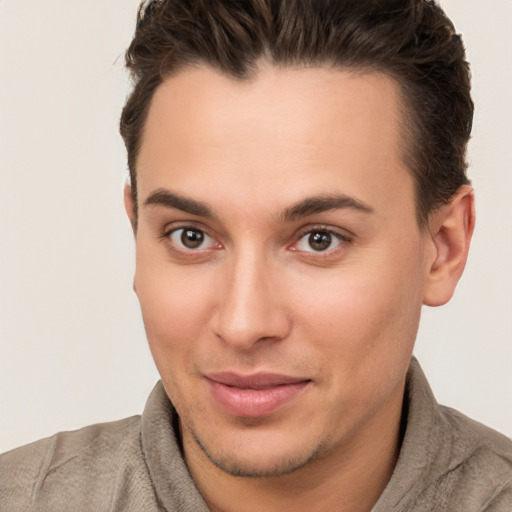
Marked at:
<point>255,395</point>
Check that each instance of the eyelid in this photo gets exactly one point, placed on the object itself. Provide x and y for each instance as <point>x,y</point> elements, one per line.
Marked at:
<point>184,224</point>
<point>326,228</point>
<point>170,229</point>
<point>344,236</point>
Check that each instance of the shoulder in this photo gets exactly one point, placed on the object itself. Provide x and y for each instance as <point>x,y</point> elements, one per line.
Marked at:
<point>468,434</point>
<point>480,468</point>
<point>77,460</point>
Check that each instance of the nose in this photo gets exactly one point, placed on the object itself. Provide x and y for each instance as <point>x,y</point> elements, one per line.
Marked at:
<point>252,305</point>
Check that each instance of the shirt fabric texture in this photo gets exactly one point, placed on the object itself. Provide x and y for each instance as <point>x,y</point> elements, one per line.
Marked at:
<point>447,462</point>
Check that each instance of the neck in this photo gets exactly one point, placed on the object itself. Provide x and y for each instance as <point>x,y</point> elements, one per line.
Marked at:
<point>349,478</point>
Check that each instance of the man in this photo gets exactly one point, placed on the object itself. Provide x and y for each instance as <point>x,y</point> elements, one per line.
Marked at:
<point>297,193</point>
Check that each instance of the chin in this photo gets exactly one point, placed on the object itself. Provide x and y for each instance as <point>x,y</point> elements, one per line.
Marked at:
<point>259,459</point>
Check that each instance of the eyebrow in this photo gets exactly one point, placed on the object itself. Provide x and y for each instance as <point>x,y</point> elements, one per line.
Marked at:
<point>308,206</point>
<point>323,203</point>
<point>162,197</point>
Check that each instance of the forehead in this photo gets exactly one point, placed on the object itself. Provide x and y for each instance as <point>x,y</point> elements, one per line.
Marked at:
<point>285,129</point>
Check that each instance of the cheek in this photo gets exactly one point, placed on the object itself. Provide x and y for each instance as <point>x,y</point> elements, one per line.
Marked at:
<point>175,305</point>
<point>370,313</point>
<point>363,329</point>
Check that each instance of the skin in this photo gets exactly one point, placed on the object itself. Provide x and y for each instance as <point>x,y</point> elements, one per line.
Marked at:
<point>256,295</point>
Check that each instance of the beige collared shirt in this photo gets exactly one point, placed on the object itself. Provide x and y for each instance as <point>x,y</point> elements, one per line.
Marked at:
<point>447,462</point>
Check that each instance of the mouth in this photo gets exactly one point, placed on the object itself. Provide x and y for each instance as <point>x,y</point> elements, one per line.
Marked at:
<point>255,395</point>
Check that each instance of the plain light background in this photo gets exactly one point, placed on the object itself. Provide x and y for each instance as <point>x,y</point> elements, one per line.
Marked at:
<point>72,345</point>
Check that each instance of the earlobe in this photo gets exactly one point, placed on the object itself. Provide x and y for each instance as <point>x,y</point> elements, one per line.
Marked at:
<point>129,206</point>
<point>451,229</point>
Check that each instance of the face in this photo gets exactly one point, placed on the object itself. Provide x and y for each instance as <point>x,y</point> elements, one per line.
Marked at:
<point>280,269</point>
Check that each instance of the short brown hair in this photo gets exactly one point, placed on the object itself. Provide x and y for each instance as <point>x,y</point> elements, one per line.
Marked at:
<point>412,41</point>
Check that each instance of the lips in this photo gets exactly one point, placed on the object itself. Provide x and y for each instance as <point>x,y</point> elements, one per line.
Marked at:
<point>253,395</point>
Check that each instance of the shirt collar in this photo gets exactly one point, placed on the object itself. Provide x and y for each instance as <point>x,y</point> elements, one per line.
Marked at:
<point>176,489</point>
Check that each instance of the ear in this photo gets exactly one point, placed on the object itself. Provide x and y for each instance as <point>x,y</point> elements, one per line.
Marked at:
<point>129,206</point>
<point>130,211</point>
<point>451,228</point>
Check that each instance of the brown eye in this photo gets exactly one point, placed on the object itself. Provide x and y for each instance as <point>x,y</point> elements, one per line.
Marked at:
<point>320,240</point>
<point>192,238</point>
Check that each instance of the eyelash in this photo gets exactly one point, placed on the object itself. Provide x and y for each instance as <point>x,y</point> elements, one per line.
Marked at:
<point>342,239</point>
<point>166,236</point>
